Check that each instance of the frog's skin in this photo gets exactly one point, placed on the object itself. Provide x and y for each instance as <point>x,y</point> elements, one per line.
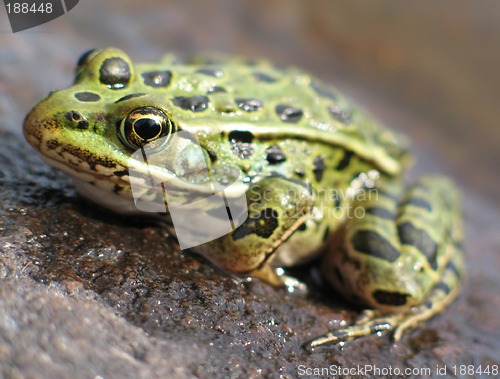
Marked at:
<point>313,168</point>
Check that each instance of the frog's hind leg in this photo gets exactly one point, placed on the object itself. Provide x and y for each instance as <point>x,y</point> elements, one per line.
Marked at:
<point>376,321</point>
<point>403,259</point>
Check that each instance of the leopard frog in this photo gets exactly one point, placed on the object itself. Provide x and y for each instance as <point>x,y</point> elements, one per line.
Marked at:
<point>317,174</point>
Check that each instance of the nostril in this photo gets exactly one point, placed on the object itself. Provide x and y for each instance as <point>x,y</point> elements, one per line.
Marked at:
<point>77,118</point>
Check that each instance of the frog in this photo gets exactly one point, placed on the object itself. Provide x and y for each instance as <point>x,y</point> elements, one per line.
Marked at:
<point>319,175</point>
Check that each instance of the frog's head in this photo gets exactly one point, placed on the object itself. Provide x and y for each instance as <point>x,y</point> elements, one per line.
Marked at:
<point>92,129</point>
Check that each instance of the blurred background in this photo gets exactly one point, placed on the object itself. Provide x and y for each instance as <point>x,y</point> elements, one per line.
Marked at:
<point>428,69</point>
<point>431,70</point>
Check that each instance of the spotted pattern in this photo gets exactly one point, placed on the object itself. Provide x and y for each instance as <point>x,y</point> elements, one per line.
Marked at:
<point>115,73</point>
<point>380,212</point>
<point>441,286</point>
<point>318,168</point>
<point>339,115</point>
<point>289,114</point>
<point>451,267</point>
<point>157,79</point>
<point>262,225</point>
<point>418,202</point>
<point>263,77</point>
<point>337,201</point>
<point>346,159</point>
<point>249,104</point>
<point>371,243</point>
<point>87,96</point>
<point>128,97</point>
<point>410,235</point>
<point>215,72</point>
<point>212,155</point>
<point>216,89</point>
<point>274,155</point>
<point>241,143</point>
<point>194,104</point>
<point>390,298</point>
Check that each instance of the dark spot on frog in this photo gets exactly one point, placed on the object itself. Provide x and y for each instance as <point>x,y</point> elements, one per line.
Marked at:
<point>262,225</point>
<point>274,155</point>
<point>128,97</point>
<point>120,173</point>
<point>289,114</point>
<point>337,201</point>
<point>87,96</point>
<point>216,89</point>
<point>194,104</point>
<point>157,79</point>
<point>417,202</point>
<point>323,91</point>
<point>215,72</point>
<point>318,168</point>
<point>212,155</point>
<point>249,105</point>
<point>442,287</point>
<point>300,172</point>
<point>451,267</point>
<point>240,136</point>
<point>262,77</point>
<point>241,143</point>
<point>339,115</point>
<point>52,144</point>
<point>346,159</point>
<point>115,73</point>
<point>302,227</point>
<point>117,188</point>
<point>390,298</point>
<point>411,235</point>
<point>371,243</point>
<point>86,156</point>
<point>380,212</point>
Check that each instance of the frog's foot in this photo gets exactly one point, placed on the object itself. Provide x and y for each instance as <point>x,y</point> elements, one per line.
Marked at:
<point>277,278</point>
<point>408,267</point>
<point>376,321</point>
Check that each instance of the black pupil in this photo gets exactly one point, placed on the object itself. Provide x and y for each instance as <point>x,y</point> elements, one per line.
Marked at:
<point>147,128</point>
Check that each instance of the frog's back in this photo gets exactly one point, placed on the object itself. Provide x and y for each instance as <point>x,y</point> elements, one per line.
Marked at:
<point>219,96</point>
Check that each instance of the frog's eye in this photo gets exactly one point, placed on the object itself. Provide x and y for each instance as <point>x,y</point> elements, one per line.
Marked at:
<point>146,125</point>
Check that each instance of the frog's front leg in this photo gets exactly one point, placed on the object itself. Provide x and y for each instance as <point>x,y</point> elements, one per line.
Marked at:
<point>276,208</point>
<point>403,258</point>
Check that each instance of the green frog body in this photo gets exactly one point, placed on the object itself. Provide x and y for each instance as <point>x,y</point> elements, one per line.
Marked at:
<point>316,173</point>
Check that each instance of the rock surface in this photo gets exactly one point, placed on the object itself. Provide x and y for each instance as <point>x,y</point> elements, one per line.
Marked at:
<point>88,294</point>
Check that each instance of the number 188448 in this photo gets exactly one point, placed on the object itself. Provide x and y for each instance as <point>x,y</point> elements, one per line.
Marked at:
<point>28,8</point>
